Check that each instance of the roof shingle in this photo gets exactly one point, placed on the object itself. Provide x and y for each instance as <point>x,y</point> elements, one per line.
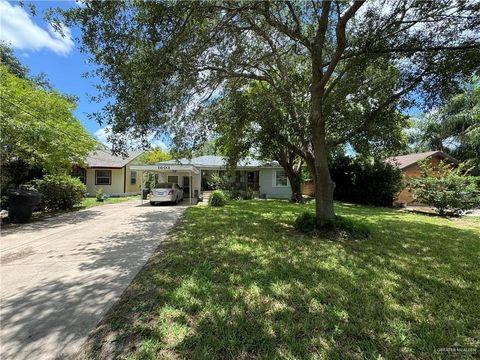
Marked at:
<point>405,161</point>
<point>104,158</point>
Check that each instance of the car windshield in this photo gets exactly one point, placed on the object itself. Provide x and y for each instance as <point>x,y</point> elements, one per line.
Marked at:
<point>164,186</point>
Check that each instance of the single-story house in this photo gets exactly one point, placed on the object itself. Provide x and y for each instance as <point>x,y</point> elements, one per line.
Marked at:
<point>111,173</point>
<point>266,178</point>
<point>409,166</point>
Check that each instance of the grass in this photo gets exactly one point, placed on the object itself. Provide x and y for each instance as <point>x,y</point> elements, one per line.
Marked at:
<point>86,203</point>
<point>89,202</point>
<point>239,283</point>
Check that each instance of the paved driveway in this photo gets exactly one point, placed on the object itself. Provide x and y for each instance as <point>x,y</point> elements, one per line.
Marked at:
<point>60,275</point>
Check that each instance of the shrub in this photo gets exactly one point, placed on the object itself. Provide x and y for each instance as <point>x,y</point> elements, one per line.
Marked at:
<point>219,182</point>
<point>235,195</point>
<point>99,194</point>
<point>60,192</point>
<point>248,194</point>
<point>371,183</point>
<point>445,188</point>
<point>307,223</point>
<point>218,198</point>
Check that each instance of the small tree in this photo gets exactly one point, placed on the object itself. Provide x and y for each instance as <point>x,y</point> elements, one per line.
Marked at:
<point>445,188</point>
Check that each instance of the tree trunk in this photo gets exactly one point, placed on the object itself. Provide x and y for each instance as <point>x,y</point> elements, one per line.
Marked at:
<point>295,179</point>
<point>324,185</point>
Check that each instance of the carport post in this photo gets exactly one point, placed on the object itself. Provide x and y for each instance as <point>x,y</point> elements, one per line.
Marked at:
<point>143,180</point>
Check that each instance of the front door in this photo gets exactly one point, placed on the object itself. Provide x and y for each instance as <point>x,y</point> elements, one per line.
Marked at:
<point>186,186</point>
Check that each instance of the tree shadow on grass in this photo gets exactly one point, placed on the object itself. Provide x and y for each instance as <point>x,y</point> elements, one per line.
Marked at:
<point>233,283</point>
<point>52,317</point>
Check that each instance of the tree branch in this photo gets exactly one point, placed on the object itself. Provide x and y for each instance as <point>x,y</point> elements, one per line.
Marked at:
<point>341,41</point>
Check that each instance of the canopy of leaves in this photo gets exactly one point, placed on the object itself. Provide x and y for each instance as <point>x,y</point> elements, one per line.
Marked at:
<point>454,128</point>
<point>8,59</point>
<point>38,126</point>
<point>155,58</point>
<point>153,156</point>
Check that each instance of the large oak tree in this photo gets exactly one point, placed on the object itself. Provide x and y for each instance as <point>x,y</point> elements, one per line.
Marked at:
<point>161,61</point>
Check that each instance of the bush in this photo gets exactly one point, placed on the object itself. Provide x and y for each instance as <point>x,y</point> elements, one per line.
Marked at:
<point>60,192</point>
<point>248,194</point>
<point>241,194</point>
<point>219,182</point>
<point>446,189</point>
<point>307,223</point>
<point>235,195</point>
<point>218,198</point>
<point>99,195</point>
<point>363,182</point>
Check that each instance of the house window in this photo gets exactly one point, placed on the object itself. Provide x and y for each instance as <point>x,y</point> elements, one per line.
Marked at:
<point>79,173</point>
<point>133,177</point>
<point>279,178</point>
<point>103,177</point>
<point>172,179</point>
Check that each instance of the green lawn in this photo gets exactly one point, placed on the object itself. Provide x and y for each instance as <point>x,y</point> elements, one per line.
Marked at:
<point>238,283</point>
<point>91,201</point>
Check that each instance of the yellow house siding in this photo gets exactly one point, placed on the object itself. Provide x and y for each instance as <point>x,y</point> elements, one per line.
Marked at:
<point>116,186</point>
<point>132,188</point>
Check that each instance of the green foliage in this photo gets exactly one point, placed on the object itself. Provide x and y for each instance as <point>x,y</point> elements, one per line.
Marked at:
<point>248,194</point>
<point>38,126</point>
<point>220,182</point>
<point>8,58</point>
<point>60,192</point>
<point>369,182</point>
<point>335,73</point>
<point>99,195</point>
<point>217,198</point>
<point>446,188</point>
<point>153,156</point>
<point>308,223</point>
<point>454,128</point>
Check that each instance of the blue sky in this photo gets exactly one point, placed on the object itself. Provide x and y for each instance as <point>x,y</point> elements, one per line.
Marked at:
<point>42,50</point>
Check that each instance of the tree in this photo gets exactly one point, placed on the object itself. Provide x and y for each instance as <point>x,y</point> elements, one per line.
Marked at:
<point>446,189</point>
<point>8,59</point>
<point>153,156</point>
<point>38,127</point>
<point>454,128</point>
<point>161,61</point>
<point>251,122</point>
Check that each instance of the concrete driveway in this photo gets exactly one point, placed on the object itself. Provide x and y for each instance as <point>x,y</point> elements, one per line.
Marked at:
<point>60,275</point>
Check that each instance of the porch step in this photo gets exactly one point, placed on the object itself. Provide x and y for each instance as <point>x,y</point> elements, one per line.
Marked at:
<point>206,196</point>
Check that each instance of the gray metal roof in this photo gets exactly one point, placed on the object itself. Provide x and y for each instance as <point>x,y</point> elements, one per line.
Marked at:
<point>104,158</point>
<point>220,162</point>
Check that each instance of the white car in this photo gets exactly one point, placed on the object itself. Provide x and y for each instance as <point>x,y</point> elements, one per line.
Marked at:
<point>166,192</point>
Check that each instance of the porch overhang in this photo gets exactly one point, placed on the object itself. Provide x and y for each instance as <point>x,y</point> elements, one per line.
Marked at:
<point>167,168</point>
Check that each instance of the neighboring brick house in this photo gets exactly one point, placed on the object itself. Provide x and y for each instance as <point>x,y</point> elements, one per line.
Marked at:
<point>409,166</point>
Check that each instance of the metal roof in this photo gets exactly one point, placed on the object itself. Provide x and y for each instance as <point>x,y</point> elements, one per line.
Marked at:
<point>213,161</point>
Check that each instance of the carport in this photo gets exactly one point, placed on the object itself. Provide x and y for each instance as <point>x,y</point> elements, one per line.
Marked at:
<point>181,171</point>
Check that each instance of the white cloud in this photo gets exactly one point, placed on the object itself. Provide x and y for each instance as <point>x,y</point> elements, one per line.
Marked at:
<point>102,136</point>
<point>18,29</point>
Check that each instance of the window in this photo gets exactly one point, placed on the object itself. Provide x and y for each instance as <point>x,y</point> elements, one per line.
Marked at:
<point>133,177</point>
<point>172,179</point>
<point>279,178</point>
<point>79,173</point>
<point>103,177</point>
